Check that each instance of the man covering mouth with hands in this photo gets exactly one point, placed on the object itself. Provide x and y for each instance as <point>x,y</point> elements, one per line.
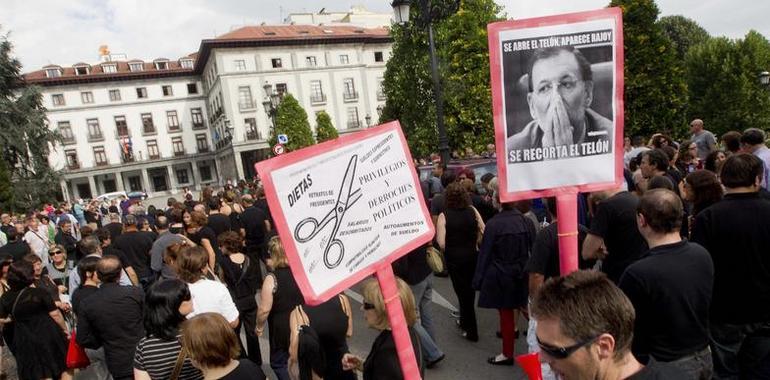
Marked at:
<point>560,94</point>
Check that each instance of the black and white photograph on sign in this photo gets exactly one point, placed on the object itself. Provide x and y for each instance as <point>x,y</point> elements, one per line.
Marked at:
<point>558,86</point>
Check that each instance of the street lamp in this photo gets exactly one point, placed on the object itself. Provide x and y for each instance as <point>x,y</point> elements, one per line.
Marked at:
<point>764,78</point>
<point>272,99</point>
<point>368,120</point>
<point>427,16</point>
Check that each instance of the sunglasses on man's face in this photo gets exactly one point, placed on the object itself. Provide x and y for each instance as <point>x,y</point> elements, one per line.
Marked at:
<point>563,352</point>
<point>56,252</point>
<point>368,306</point>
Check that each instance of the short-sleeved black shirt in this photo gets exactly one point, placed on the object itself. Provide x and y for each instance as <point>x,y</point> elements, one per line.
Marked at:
<point>670,289</point>
<point>219,223</point>
<point>545,253</point>
<point>253,221</point>
<point>615,222</point>
<point>136,246</point>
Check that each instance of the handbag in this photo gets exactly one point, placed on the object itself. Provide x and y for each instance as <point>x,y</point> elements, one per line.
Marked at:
<point>434,259</point>
<point>76,355</point>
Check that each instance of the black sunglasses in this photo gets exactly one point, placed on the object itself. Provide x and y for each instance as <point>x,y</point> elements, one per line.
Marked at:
<point>368,306</point>
<point>564,352</point>
<point>55,252</point>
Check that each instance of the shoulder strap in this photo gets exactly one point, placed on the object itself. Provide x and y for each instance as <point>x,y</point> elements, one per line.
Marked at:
<point>305,319</point>
<point>13,308</point>
<point>244,268</point>
<point>178,365</point>
<point>343,304</point>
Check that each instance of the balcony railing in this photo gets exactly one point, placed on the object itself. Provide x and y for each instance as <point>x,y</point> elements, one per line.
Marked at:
<point>153,156</point>
<point>318,98</point>
<point>179,153</point>
<point>175,128</point>
<point>350,96</point>
<point>149,129</point>
<point>122,132</point>
<point>252,135</point>
<point>354,123</point>
<point>200,125</point>
<point>203,149</point>
<point>68,140</point>
<point>127,159</point>
<point>73,165</point>
<point>95,137</point>
<point>102,163</point>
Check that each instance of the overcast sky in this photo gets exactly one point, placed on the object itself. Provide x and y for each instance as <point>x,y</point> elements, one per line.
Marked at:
<point>69,31</point>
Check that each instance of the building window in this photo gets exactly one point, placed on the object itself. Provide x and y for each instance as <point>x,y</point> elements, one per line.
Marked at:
<point>353,121</point>
<point>53,73</point>
<point>72,159</point>
<point>378,56</point>
<point>136,66</point>
<point>87,97</point>
<point>114,95</point>
<point>276,63</point>
<point>281,88</point>
<point>202,142</point>
<point>57,99</point>
<point>344,60</point>
<point>121,126</point>
<point>152,150</point>
<point>65,130</point>
<point>316,92</point>
<point>181,176</point>
<point>192,88</point>
<point>239,64</point>
<point>148,127</point>
<point>205,172</point>
<point>162,65</point>
<point>186,63</point>
<point>110,69</point>
<point>197,118</point>
<point>176,142</point>
<point>167,90</point>
<point>94,130</point>
<point>251,128</point>
<point>310,61</point>
<point>173,121</point>
<point>349,89</point>
<point>81,70</point>
<point>245,100</point>
<point>141,92</point>
<point>100,158</point>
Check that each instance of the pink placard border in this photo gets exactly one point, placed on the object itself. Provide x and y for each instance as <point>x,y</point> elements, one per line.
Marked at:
<point>493,30</point>
<point>265,168</point>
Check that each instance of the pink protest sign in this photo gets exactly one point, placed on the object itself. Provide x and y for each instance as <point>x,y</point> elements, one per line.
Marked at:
<point>557,90</point>
<point>346,208</point>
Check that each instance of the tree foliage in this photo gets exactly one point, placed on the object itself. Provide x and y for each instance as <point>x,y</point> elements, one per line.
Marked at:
<point>722,76</point>
<point>655,90</point>
<point>324,129</point>
<point>467,92</point>
<point>683,32</point>
<point>291,120</point>
<point>25,139</point>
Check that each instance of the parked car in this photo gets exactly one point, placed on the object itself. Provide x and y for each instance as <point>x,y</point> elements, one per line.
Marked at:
<point>110,196</point>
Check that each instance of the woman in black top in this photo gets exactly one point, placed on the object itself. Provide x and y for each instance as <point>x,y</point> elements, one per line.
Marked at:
<point>459,231</point>
<point>89,281</point>
<point>211,345</point>
<point>34,328</point>
<point>332,322</point>
<point>279,296</point>
<point>243,288</point>
<point>204,236</point>
<point>43,281</point>
<point>382,363</point>
<point>166,304</point>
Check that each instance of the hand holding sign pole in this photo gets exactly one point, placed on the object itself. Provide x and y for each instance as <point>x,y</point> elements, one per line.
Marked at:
<point>338,227</point>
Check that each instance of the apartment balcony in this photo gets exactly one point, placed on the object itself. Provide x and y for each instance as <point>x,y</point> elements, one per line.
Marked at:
<point>153,157</point>
<point>197,126</point>
<point>252,135</point>
<point>174,129</point>
<point>102,163</point>
<point>73,165</point>
<point>203,149</point>
<point>95,137</point>
<point>127,159</point>
<point>69,140</point>
<point>350,96</point>
<point>149,129</point>
<point>318,99</point>
<point>122,133</point>
<point>179,153</point>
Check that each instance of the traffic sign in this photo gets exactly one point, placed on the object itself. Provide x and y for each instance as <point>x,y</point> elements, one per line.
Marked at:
<point>278,149</point>
<point>283,139</point>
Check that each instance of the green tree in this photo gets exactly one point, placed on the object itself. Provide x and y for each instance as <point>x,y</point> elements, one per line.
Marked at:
<point>291,120</point>
<point>324,129</point>
<point>655,90</point>
<point>6,188</point>
<point>467,93</point>
<point>722,76</point>
<point>683,32</point>
<point>25,139</point>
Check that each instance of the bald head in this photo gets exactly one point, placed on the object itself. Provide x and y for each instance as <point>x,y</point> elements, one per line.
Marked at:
<point>109,269</point>
<point>662,211</point>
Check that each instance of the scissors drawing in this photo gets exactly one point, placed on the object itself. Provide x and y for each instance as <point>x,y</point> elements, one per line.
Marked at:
<point>308,228</point>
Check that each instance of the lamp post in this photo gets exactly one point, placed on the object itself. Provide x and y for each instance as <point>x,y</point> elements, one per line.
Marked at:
<point>368,120</point>
<point>272,99</point>
<point>764,78</point>
<point>401,15</point>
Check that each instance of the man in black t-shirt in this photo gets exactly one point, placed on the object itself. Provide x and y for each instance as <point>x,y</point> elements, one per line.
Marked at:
<point>136,246</point>
<point>585,330</point>
<point>614,237</point>
<point>255,228</point>
<point>736,233</point>
<point>670,289</point>
<point>217,221</point>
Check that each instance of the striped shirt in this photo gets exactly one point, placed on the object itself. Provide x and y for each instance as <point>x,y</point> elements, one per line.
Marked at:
<point>157,357</point>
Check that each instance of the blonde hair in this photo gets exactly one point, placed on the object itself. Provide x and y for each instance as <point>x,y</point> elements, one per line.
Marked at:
<point>373,295</point>
<point>277,254</point>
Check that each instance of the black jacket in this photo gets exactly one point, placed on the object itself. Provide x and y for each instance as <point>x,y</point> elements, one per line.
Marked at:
<point>382,362</point>
<point>112,317</point>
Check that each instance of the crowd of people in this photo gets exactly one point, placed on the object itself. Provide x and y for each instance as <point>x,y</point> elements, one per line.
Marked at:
<point>674,279</point>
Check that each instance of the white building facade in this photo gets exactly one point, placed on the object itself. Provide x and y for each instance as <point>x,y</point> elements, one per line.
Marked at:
<point>163,125</point>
